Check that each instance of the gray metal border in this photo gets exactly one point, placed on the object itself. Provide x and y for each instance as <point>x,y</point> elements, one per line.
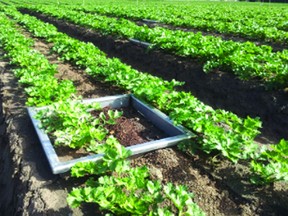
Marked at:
<point>159,119</point>
<point>140,43</point>
<point>150,21</point>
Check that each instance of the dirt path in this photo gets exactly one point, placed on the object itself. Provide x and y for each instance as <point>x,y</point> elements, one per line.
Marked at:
<point>31,189</point>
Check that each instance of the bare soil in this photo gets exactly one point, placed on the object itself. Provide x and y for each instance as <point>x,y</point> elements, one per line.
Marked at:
<point>132,128</point>
<point>29,188</point>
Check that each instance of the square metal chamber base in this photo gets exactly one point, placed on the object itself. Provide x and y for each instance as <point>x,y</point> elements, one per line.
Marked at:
<point>175,134</point>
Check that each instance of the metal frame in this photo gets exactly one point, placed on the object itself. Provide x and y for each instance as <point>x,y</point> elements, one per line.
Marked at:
<point>140,43</point>
<point>176,133</point>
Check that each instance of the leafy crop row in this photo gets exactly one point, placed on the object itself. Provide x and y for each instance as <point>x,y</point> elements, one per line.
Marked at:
<point>128,190</point>
<point>185,109</point>
<point>217,129</point>
<point>272,164</point>
<point>260,25</point>
<point>246,60</point>
<point>35,72</point>
<point>71,123</point>
<point>233,139</point>
<point>258,21</point>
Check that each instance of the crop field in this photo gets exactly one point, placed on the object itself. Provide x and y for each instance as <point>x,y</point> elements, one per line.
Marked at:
<point>210,80</point>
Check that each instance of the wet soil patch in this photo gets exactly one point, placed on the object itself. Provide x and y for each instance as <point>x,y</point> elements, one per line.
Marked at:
<point>218,89</point>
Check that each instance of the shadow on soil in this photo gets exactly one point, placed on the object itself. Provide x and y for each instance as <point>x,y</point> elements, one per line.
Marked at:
<point>267,200</point>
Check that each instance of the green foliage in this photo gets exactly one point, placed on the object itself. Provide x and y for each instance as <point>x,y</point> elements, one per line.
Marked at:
<point>272,164</point>
<point>34,70</point>
<point>246,60</point>
<point>217,129</point>
<point>182,200</point>
<point>266,23</point>
<point>127,190</point>
<point>114,159</point>
<point>236,134</point>
<point>71,123</point>
<point>45,92</point>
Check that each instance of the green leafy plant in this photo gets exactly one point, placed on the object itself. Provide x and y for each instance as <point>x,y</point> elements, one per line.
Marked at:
<point>33,69</point>
<point>249,22</point>
<point>127,190</point>
<point>217,130</point>
<point>246,60</point>
<point>72,124</point>
<point>272,164</point>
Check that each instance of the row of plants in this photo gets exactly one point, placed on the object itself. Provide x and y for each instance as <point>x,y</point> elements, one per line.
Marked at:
<point>115,185</point>
<point>182,106</point>
<point>35,73</point>
<point>264,24</point>
<point>259,22</point>
<point>128,189</point>
<point>246,60</point>
<point>217,129</point>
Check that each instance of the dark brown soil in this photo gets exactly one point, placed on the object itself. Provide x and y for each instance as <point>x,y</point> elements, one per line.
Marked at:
<point>219,89</point>
<point>130,129</point>
<point>221,184</point>
<point>29,188</point>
